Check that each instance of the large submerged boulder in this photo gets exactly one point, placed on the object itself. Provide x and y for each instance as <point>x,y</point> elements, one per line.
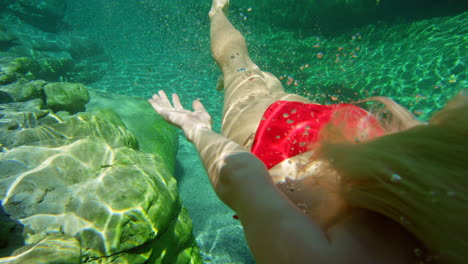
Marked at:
<point>153,133</point>
<point>77,189</point>
<point>112,200</point>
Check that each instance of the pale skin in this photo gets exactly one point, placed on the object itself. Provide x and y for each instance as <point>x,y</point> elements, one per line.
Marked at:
<point>311,225</point>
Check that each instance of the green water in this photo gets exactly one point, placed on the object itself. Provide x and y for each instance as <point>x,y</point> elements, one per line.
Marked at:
<point>417,59</point>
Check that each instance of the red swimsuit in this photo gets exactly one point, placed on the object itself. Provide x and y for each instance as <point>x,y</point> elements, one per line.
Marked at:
<point>290,128</point>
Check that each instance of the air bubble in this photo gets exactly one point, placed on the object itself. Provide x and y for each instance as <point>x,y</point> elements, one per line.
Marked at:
<point>395,177</point>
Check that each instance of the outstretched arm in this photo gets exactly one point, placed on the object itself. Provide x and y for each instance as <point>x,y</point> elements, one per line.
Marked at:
<point>277,232</point>
<point>212,147</point>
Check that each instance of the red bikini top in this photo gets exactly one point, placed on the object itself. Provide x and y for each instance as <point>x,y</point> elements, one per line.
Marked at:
<point>290,128</point>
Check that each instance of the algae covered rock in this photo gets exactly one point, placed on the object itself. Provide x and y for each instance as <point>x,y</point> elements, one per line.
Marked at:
<point>52,66</point>
<point>49,66</point>
<point>6,36</point>
<point>70,97</point>
<point>52,249</point>
<point>82,192</point>
<point>20,115</point>
<point>12,68</point>
<point>154,134</point>
<point>113,200</point>
<point>20,91</point>
<point>82,125</point>
<point>48,56</point>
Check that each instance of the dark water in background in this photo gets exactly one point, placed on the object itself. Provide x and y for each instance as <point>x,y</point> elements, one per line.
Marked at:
<point>159,44</point>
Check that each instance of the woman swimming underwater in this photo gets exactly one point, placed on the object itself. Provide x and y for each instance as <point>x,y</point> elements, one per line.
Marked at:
<point>329,184</point>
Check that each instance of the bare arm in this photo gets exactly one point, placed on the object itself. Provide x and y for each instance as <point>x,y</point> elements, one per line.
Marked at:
<point>196,125</point>
<point>277,232</point>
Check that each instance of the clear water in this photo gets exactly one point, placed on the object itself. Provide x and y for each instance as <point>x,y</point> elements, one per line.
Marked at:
<point>165,45</point>
<point>159,44</point>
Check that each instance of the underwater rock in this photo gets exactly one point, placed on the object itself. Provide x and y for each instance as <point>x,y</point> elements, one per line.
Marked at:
<point>19,116</point>
<point>10,233</point>
<point>52,249</point>
<point>45,14</point>
<point>75,189</point>
<point>109,115</point>
<point>52,66</point>
<point>5,36</point>
<point>81,48</point>
<point>26,128</point>
<point>115,201</point>
<point>50,56</point>
<point>11,69</point>
<point>5,97</point>
<point>70,97</point>
<point>20,91</point>
<point>154,134</point>
<point>48,66</point>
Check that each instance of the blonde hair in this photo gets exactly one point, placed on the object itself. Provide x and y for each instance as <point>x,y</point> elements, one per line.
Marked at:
<point>418,177</point>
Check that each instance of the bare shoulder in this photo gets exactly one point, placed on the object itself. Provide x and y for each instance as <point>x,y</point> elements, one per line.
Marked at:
<point>372,238</point>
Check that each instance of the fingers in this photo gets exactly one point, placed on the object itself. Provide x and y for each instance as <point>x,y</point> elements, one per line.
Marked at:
<point>197,105</point>
<point>176,101</point>
<point>160,103</point>
<point>160,100</point>
<point>163,97</point>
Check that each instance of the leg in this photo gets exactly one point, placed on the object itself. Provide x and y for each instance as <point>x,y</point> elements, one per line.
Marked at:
<point>248,90</point>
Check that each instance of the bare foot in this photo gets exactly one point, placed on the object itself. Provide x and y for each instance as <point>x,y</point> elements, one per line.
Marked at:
<point>219,5</point>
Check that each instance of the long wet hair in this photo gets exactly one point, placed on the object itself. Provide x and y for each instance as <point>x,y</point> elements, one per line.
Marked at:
<point>415,174</point>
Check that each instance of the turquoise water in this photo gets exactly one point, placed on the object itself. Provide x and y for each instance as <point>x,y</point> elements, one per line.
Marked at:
<point>165,45</point>
<point>416,54</point>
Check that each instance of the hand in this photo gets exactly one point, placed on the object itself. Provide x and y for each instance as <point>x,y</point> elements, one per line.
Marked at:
<point>189,122</point>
